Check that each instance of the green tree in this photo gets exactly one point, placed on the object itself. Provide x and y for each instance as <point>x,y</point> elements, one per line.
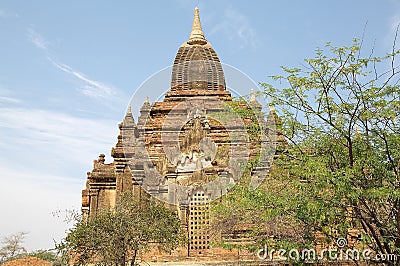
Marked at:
<point>339,174</point>
<point>48,255</point>
<point>115,236</point>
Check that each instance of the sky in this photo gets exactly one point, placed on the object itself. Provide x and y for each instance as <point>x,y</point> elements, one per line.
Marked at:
<point>68,70</point>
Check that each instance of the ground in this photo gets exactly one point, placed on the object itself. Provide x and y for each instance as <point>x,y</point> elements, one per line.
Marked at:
<point>29,261</point>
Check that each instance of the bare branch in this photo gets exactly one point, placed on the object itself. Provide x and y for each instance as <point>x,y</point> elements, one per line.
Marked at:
<point>394,47</point>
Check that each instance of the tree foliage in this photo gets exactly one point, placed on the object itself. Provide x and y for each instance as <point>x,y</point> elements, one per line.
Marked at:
<point>12,246</point>
<point>339,174</point>
<point>47,255</point>
<point>115,236</point>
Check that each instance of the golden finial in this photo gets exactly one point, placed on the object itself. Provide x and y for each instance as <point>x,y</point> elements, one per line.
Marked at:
<point>197,35</point>
<point>147,99</point>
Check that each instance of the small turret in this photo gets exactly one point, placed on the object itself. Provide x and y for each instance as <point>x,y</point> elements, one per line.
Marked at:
<point>253,100</point>
<point>128,133</point>
<point>129,121</point>
<point>144,114</point>
<point>146,105</point>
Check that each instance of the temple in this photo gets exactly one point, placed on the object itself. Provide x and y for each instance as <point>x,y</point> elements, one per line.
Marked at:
<point>186,150</point>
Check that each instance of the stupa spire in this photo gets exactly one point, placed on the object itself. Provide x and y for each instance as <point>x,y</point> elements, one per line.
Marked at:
<point>197,35</point>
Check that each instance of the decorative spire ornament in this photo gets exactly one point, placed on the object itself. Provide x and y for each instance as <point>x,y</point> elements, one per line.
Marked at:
<point>197,35</point>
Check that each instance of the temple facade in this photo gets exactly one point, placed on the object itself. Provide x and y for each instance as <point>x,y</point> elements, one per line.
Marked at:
<point>186,150</point>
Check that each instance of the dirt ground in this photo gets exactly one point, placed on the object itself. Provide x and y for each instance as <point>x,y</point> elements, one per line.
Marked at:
<point>29,261</point>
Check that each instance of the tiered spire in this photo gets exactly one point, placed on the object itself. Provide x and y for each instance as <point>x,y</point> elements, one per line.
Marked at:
<point>128,121</point>
<point>197,70</point>
<point>146,105</point>
<point>197,35</point>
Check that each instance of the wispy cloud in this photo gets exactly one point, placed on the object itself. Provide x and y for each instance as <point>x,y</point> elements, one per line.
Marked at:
<point>36,202</point>
<point>46,143</point>
<point>393,26</point>
<point>91,88</point>
<point>46,154</point>
<point>4,99</point>
<point>5,14</point>
<point>37,39</point>
<point>67,132</point>
<point>2,14</point>
<point>236,26</point>
<point>5,96</point>
<point>392,38</point>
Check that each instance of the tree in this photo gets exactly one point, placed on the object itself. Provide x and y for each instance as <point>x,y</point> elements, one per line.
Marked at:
<point>12,246</point>
<point>115,236</point>
<point>339,174</point>
<point>48,255</point>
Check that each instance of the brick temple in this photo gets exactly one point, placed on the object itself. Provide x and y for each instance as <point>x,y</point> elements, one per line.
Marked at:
<point>186,150</point>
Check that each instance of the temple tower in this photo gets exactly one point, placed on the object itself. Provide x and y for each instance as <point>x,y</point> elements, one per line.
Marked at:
<point>178,145</point>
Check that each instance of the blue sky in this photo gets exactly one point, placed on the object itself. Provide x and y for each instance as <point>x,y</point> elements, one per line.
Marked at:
<point>69,68</point>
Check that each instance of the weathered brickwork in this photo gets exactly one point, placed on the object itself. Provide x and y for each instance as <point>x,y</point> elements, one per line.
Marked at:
<point>140,162</point>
